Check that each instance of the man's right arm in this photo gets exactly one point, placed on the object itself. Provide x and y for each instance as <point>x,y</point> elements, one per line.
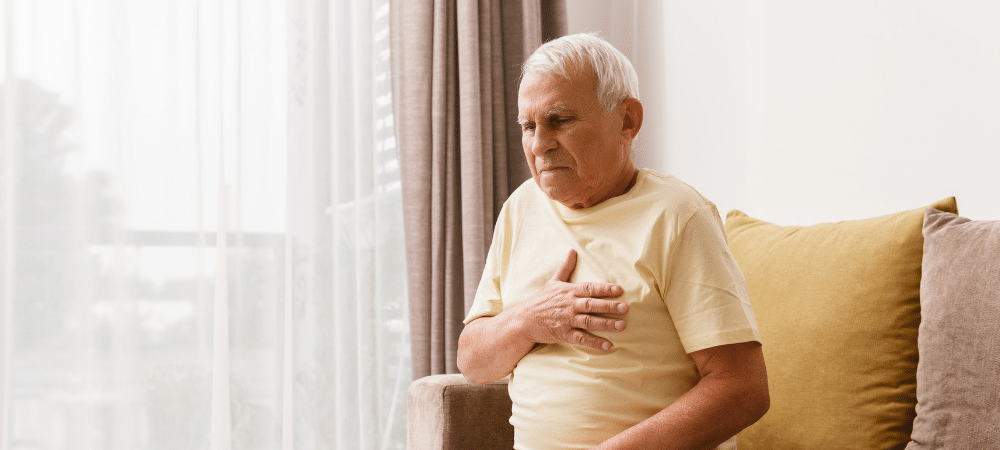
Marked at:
<point>561,312</point>
<point>490,347</point>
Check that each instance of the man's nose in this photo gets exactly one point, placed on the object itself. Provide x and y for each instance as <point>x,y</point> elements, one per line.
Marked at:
<point>542,142</point>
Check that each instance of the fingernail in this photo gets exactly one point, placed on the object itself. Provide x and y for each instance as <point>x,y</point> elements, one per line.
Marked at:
<point>622,308</point>
<point>606,346</point>
<point>616,290</point>
<point>620,324</point>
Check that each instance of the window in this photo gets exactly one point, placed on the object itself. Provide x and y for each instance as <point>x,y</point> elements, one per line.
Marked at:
<point>200,204</point>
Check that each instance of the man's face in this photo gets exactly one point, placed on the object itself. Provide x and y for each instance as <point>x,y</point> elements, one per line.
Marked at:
<point>578,155</point>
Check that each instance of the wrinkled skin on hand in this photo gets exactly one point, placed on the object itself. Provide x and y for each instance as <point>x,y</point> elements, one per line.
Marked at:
<point>563,312</point>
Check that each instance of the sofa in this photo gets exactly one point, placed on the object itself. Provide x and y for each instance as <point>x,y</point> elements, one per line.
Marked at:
<point>881,333</point>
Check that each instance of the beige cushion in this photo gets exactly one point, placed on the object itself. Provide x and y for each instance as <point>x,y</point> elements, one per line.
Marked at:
<point>838,308</point>
<point>444,412</point>
<point>958,378</point>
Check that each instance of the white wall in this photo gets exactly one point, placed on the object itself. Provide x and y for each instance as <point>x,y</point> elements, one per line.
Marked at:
<point>800,112</point>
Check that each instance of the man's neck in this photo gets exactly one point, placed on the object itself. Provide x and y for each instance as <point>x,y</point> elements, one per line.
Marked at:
<point>627,180</point>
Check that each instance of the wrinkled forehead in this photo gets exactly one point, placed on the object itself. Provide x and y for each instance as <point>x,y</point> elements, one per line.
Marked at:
<point>540,83</point>
<point>544,96</point>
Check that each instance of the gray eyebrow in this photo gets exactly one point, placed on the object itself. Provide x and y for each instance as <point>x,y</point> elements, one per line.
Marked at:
<point>551,112</point>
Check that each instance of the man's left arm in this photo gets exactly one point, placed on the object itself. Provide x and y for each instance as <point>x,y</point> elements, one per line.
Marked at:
<point>731,395</point>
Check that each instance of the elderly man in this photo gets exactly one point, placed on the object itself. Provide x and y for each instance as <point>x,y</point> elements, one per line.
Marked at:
<point>609,292</point>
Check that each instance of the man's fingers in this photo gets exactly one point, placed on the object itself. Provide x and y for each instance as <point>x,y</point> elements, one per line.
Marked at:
<point>599,306</point>
<point>566,268</point>
<point>597,290</point>
<point>597,323</point>
<point>580,337</point>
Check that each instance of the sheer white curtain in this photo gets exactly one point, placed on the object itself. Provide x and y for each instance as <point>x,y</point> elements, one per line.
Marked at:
<point>200,220</point>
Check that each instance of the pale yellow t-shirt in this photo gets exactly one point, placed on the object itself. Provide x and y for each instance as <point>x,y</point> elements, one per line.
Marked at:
<point>665,245</point>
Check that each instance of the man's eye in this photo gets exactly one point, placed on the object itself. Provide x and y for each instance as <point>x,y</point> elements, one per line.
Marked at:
<point>528,127</point>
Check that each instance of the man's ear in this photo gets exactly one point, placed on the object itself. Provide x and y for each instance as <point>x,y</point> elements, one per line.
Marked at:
<point>631,118</point>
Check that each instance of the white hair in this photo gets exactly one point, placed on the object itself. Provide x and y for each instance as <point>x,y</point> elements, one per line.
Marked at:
<point>616,78</point>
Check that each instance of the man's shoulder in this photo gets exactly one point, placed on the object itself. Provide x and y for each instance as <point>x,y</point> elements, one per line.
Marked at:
<point>527,198</point>
<point>670,192</point>
<point>527,189</point>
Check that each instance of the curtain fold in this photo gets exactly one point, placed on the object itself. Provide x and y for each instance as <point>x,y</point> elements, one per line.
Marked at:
<point>200,227</point>
<point>456,66</point>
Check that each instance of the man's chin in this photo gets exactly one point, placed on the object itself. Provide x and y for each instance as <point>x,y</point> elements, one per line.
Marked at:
<point>560,178</point>
<point>558,192</point>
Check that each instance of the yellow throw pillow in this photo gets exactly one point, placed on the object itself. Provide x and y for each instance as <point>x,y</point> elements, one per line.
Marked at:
<point>838,306</point>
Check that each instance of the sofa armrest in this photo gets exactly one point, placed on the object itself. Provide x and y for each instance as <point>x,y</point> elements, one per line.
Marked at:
<point>446,413</point>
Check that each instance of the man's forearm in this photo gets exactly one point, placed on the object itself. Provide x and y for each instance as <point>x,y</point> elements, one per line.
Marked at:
<point>490,347</point>
<point>705,417</point>
<point>718,407</point>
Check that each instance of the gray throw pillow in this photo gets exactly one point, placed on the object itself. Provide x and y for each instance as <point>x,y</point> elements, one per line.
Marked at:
<point>958,376</point>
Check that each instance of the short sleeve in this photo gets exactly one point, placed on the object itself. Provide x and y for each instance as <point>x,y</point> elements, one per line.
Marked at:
<point>488,301</point>
<point>706,294</point>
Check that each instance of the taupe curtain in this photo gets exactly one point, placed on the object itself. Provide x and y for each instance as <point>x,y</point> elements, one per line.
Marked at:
<point>455,66</point>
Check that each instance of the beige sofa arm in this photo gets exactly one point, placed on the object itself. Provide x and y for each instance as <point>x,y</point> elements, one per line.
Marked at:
<point>446,413</point>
